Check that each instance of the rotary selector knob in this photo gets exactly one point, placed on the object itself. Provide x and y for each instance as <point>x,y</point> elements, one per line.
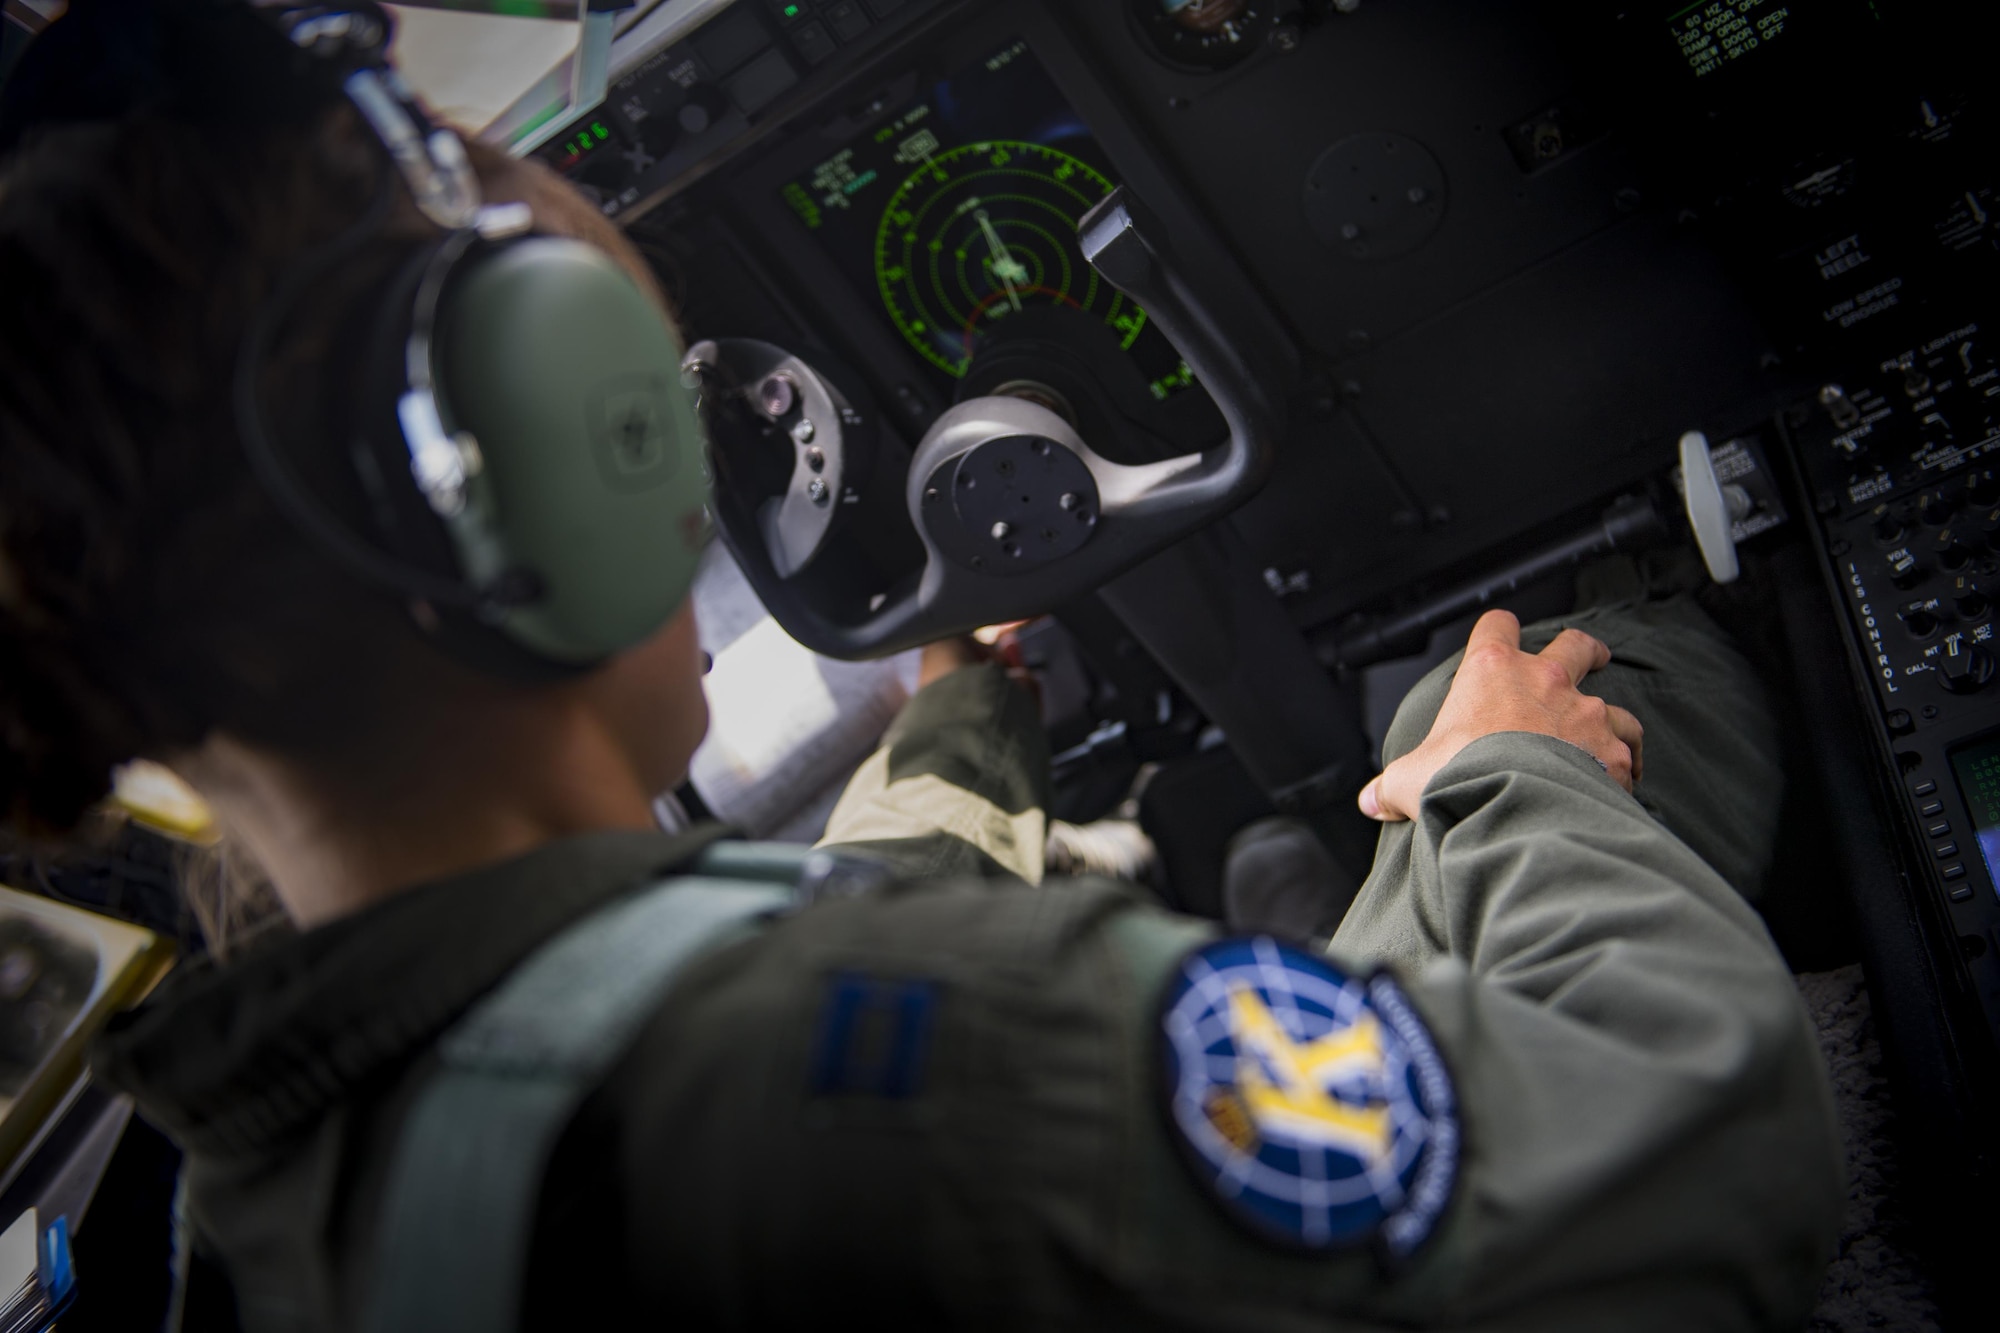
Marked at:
<point>1887,527</point>
<point>661,131</point>
<point>1904,571</point>
<point>1921,623</point>
<point>1969,598</point>
<point>1951,553</point>
<point>700,112</point>
<point>1963,668</point>
<point>1935,509</point>
<point>1982,489</point>
<point>1841,408</point>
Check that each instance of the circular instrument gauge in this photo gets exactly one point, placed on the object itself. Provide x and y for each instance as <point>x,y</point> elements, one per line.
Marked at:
<point>984,233</point>
<point>1204,35</point>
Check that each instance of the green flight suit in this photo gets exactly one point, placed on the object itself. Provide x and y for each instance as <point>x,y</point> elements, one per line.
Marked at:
<point>1647,1133</point>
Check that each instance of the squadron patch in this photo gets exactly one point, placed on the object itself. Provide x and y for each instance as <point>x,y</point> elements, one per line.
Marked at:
<point>1312,1104</point>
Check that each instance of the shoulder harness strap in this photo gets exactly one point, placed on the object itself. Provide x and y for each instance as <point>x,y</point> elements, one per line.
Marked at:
<point>459,1210</point>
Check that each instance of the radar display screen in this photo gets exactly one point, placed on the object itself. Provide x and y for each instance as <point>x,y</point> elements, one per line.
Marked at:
<point>960,214</point>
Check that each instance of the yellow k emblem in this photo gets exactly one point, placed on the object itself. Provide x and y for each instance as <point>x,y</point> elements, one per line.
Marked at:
<point>1285,1083</point>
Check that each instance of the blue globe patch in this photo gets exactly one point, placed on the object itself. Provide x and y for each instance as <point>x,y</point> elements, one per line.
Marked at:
<point>1312,1104</point>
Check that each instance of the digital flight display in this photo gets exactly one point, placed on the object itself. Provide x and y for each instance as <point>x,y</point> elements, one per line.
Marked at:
<point>584,143</point>
<point>960,214</point>
<point>1715,34</point>
<point>1977,768</point>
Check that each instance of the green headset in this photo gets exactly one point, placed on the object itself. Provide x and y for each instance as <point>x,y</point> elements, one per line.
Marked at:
<point>534,464</point>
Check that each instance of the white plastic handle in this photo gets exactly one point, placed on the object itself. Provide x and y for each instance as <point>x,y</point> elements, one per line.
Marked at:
<point>1708,509</point>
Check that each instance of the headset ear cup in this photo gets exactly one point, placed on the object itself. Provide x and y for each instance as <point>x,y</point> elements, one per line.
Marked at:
<point>403,520</point>
<point>592,461</point>
<point>556,381</point>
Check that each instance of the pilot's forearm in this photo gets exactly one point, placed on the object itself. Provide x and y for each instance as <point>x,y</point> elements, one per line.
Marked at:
<point>959,785</point>
<point>1640,1079</point>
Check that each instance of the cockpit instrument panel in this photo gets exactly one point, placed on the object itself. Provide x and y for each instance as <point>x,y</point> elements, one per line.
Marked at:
<point>959,214</point>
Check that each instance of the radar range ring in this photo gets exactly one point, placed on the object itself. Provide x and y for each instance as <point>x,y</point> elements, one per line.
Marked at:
<point>982,233</point>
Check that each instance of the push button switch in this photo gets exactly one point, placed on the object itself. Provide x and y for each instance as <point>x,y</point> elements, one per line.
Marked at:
<point>1924,788</point>
<point>847,20</point>
<point>814,42</point>
<point>1939,829</point>
<point>730,40</point>
<point>1929,808</point>
<point>1944,851</point>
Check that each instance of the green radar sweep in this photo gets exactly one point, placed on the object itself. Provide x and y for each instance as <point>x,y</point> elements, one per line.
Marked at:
<point>978,234</point>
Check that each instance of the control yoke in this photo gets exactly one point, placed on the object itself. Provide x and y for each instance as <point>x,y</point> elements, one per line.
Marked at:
<point>1017,513</point>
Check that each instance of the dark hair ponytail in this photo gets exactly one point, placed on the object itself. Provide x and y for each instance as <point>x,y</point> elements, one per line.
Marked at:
<point>149,593</point>
<point>62,732</point>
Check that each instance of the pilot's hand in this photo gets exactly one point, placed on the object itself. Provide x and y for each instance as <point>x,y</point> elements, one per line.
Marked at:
<point>945,656</point>
<point>994,643</point>
<point>1500,688</point>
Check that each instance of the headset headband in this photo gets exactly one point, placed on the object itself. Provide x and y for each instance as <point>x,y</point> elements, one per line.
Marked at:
<point>209,59</point>
<point>353,40</point>
<point>569,541</point>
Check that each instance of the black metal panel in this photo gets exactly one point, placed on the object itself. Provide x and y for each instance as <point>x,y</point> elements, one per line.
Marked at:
<point>1452,76</point>
<point>1546,392</point>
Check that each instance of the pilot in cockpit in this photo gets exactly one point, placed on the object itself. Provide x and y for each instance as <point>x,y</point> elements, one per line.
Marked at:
<point>318,483</point>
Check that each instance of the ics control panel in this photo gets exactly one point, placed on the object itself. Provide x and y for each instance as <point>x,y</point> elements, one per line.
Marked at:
<point>1904,462</point>
<point>1904,466</point>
